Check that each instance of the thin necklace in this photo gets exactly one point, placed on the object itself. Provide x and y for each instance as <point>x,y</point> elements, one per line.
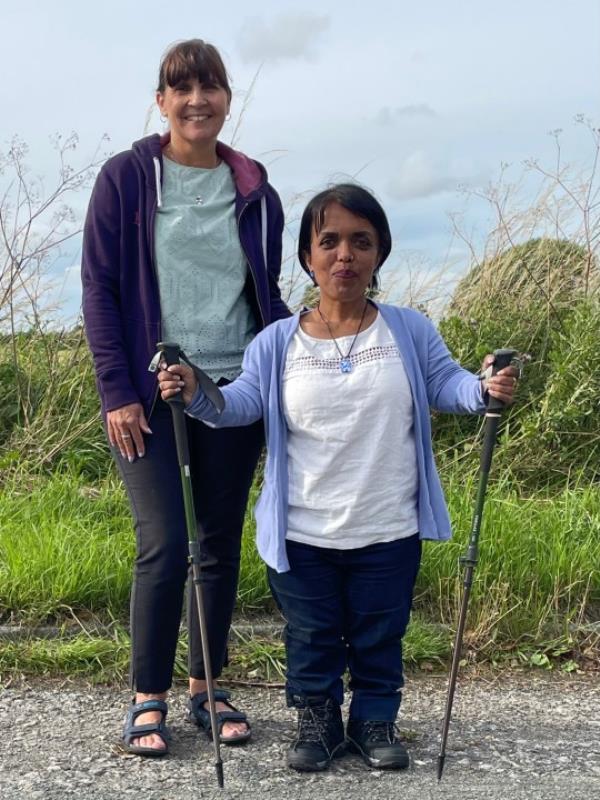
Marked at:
<point>345,360</point>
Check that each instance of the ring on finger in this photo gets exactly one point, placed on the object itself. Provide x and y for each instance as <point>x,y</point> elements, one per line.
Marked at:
<point>125,436</point>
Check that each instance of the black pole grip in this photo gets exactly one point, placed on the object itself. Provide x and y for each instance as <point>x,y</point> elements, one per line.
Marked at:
<point>170,352</point>
<point>502,358</point>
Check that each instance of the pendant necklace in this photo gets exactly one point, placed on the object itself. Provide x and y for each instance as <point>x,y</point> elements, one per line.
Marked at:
<point>168,151</point>
<point>345,360</point>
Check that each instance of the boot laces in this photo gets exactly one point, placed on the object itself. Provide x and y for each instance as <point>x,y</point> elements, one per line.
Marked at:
<point>379,730</point>
<point>312,724</point>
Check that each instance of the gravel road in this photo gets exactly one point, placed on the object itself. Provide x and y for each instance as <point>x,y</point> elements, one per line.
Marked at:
<point>517,736</point>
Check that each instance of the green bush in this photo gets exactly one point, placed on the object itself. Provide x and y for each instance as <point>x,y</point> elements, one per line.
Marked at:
<point>52,420</point>
<point>539,298</point>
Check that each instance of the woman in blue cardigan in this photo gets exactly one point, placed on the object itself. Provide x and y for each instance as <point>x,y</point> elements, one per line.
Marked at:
<point>350,485</point>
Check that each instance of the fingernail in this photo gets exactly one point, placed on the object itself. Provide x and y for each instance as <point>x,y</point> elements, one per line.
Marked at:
<point>130,459</point>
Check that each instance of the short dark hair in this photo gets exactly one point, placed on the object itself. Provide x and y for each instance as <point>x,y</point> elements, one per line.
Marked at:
<point>192,58</point>
<point>353,198</point>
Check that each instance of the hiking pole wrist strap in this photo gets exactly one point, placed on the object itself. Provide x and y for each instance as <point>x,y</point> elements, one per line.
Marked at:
<point>173,354</point>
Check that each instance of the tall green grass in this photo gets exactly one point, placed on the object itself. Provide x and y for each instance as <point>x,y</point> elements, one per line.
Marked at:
<point>63,545</point>
<point>66,549</point>
<point>538,576</point>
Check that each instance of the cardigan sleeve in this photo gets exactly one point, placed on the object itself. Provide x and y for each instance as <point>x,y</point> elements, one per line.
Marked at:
<point>450,388</point>
<point>243,401</point>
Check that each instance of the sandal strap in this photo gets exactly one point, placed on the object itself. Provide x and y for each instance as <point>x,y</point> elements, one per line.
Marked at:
<point>142,730</point>
<point>133,731</point>
<point>230,716</point>
<point>202,714</point>
<point>202,697</point>
<point>135,709</point>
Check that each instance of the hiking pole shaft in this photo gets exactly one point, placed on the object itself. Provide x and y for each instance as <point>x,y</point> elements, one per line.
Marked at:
<point>194,532</point>
<point>502,358</point>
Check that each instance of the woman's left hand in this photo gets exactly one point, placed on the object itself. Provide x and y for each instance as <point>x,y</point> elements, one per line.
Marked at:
<point>503,384</point>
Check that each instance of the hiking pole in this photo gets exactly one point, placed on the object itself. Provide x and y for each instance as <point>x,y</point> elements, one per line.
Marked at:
<point>502,358</point>
<point>171,354</point>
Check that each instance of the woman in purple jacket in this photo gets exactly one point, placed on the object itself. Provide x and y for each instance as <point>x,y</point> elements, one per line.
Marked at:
<point>182,242</point>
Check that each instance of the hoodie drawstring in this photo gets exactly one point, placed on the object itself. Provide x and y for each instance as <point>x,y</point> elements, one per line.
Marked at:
<point>263,228</point>
<point>156,161</point>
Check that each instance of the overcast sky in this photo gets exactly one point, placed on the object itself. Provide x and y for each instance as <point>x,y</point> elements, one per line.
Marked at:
<point>413,99</point>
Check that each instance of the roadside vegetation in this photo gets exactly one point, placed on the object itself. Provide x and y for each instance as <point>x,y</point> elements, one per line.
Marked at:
<point>66,543</point>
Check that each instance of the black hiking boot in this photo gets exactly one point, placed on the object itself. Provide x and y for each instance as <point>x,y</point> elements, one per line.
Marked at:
<point>376,742</point>
<point>320,735</point>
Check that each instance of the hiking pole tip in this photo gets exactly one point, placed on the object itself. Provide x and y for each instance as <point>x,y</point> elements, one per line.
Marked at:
<point>440,766</point>
<point>219,768</point>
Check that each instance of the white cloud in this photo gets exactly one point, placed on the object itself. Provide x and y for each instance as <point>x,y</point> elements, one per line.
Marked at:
<point>286,37</point>
<point>420,176</point>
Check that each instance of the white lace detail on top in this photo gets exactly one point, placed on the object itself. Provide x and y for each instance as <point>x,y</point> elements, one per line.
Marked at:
<point>314,364</point>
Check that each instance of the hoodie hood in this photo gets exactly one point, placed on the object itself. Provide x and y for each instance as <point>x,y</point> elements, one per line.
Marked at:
<point>249,176</point>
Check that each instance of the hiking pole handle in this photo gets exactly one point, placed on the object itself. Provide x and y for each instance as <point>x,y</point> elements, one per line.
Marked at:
<point>502,358</point>
<point>494,408</point>
<point>170,352</point>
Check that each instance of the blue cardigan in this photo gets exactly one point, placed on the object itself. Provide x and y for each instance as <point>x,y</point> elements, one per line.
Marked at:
<point>436,381</point>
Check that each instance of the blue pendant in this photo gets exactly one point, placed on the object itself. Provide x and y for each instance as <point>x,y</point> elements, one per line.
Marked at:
<point>345,365</point>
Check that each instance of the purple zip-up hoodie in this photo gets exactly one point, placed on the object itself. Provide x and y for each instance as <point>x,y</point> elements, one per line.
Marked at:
<point>121,304</point>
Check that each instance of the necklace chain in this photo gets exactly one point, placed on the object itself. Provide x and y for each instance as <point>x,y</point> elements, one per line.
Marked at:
<point>345,362</point>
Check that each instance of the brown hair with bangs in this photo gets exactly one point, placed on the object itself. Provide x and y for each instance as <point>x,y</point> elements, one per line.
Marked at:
<point>193,58</point>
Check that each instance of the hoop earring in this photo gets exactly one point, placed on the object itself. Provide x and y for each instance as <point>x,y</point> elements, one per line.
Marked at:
<point>228,116</point>
<point>163,119</point>
<point>311,275</point>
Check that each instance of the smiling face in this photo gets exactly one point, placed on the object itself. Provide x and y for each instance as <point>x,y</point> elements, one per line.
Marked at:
<point>196,111</point>
<point>344,254</point>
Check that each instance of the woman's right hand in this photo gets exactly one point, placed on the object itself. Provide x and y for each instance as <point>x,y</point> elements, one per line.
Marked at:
<point>125,427</point>
<point>178,379</point>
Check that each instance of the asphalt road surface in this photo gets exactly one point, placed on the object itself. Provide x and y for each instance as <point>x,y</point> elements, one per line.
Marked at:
<point>513,737</point>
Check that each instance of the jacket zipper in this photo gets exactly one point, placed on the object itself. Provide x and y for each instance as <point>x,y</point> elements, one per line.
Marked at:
<point>262,316</point>
<point>153,265</point>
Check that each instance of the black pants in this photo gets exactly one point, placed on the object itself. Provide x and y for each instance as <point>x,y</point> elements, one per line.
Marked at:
<point>222,464</point>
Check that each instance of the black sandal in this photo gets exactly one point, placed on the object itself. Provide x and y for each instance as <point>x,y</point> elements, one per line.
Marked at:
<point>201,716</point>
<point>132,731</point>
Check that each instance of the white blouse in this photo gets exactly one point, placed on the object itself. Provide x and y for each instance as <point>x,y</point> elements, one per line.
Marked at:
<point>351,448</point>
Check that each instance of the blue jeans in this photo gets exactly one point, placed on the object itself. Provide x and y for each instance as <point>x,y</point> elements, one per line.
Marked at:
<point>347,609</point>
